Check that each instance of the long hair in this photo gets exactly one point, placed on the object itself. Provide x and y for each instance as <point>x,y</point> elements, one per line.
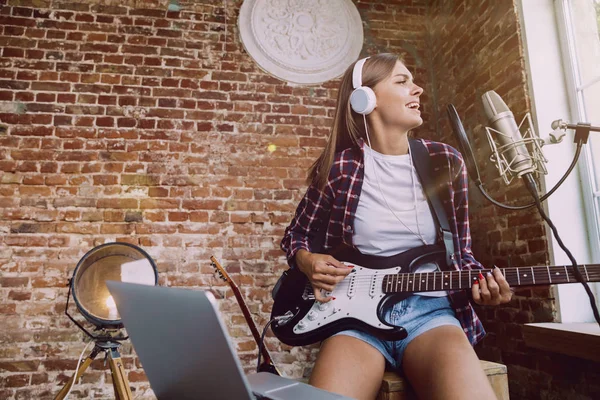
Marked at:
<point>348,125</point>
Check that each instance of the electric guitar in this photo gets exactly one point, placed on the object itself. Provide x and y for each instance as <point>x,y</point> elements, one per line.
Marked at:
<point>267,363</point>
<point>377,283</point>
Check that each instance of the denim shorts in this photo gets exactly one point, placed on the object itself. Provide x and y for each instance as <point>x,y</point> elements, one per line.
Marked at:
<point>417,314</point>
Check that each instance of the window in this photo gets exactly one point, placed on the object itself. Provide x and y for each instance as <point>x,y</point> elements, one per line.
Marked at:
<point>562,54</point>
<point>579,28</point>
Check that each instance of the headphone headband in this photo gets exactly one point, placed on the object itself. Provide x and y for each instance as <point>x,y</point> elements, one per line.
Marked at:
<point>357,73</point>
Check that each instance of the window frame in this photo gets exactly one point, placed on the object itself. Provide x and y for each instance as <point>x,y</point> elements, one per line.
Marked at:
<point>575,95</point>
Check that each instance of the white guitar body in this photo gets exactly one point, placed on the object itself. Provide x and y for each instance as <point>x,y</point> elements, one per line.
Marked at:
<point>361,299</point>
<point>358,296</point>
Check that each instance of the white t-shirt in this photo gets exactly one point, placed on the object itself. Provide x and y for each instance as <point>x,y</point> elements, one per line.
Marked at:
<point>376,230</point>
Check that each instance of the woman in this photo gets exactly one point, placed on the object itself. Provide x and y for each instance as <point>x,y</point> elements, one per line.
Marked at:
<point>364,192</point>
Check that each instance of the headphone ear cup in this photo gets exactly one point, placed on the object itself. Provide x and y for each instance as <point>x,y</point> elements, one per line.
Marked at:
<point>363,100</point>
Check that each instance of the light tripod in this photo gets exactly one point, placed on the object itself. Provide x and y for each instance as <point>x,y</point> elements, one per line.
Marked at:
<point>119,376</point>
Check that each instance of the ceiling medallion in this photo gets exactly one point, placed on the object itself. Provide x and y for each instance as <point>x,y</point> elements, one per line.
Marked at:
<point>302,41</point>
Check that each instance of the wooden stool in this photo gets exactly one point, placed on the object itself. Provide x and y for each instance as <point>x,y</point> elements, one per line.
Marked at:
<point>395,387</point>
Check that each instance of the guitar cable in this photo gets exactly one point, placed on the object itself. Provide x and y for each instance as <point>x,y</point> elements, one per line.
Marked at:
<point>279,321</point>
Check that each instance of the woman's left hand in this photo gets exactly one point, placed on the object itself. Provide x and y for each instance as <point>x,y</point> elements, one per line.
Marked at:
<point>491,289</point>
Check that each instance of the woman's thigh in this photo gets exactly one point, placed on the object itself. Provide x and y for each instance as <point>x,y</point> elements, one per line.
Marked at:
<point>441,364</point>
<point>348,366</point>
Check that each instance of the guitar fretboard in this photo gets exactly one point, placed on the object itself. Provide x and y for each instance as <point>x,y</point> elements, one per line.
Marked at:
<point>455,280</point>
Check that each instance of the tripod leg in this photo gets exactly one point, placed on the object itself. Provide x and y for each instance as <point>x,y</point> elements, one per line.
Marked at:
<point>61,395</point>
<point>119,376</point>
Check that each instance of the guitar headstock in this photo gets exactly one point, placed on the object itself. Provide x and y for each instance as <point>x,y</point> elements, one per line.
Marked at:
<point>220,270</point>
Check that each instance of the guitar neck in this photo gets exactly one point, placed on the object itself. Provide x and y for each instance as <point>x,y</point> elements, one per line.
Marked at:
<point>456,280</point>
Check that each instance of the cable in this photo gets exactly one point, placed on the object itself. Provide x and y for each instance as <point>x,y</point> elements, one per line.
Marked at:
<point>77,369</point>
<point>261,344</point>
<point>530,183</point>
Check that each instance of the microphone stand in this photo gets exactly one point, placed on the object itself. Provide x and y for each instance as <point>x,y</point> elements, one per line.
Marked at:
<point>582,132</point>
<point>582,129</point>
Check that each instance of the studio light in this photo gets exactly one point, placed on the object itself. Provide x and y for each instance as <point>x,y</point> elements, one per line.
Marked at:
<point>108,262</point>
<point>116,261</point>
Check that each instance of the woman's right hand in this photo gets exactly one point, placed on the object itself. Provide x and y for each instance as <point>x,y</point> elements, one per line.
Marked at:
<point>323,271</point>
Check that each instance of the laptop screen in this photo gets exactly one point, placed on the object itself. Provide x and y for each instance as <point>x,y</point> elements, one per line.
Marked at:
<point>181,342</point>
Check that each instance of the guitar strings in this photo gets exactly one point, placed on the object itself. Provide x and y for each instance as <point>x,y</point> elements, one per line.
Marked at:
<point>364,286</point>
<point>539,275</point>
<point>464,283</point>
<point>524,271</point>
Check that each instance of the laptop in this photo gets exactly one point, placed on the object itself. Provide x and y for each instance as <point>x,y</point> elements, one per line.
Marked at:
<point>185,350</point>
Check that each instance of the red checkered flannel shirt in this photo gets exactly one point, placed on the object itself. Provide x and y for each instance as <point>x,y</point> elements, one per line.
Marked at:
<point>334,209</point>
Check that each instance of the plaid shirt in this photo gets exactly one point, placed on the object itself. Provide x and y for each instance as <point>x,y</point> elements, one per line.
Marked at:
<point>334,209</point>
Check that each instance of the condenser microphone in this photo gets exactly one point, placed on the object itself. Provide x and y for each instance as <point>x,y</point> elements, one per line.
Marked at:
<point>506,133</point>
<point>509,146</point>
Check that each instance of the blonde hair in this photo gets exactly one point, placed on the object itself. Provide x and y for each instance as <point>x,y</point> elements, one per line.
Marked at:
<point>348,126</point>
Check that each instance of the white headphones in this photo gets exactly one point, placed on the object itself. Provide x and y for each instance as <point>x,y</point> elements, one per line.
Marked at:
<point>362,99</point>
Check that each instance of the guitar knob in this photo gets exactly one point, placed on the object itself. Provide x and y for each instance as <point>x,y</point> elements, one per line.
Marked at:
<point>301,325</point>
<point>312,315</point>
<point>323,306</point>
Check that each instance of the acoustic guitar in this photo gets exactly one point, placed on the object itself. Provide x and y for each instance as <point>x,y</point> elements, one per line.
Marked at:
<point>267,363</point>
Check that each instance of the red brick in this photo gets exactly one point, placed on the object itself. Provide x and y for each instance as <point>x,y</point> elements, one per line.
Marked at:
<point>159,203</point>
<point>178,216</point>
<point>13,381</point>
<point>40,378</point>
<point>13,52</point>
<point>121,229</point>
<point>155,216</point>
<point>105,121</point>
<point>117,203</point>
<point>19,366</point>
<point>137,376</point>
<point>51,86</point>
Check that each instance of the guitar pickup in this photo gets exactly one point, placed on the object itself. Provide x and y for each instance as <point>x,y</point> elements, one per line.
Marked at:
<point>373,289</point>
<point>351,286</point>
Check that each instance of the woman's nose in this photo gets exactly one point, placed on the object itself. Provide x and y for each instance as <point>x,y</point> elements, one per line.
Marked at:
<point>417,90</point>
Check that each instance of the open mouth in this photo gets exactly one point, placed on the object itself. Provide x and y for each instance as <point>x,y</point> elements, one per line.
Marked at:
<point>413,105</point>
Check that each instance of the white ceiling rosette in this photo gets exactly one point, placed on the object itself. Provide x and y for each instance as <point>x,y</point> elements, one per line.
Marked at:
<point>302,41</point>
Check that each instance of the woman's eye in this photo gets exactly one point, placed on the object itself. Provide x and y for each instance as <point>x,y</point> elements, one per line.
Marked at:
<point>402,82</point>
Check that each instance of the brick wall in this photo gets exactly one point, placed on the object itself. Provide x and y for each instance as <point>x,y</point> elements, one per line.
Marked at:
<point>127,122</point>
<point>130,123</point>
